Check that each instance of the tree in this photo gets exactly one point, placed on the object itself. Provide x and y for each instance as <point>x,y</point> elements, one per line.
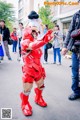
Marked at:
<point>44,13</point>
<point>7,13</point>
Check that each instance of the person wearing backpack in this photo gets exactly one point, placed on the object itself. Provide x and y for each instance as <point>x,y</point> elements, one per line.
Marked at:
<point>5,36</point>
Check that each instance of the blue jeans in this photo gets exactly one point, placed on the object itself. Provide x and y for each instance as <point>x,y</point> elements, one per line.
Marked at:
<point>14,46</point>
<point>75,74</point>
<point>56,51</point>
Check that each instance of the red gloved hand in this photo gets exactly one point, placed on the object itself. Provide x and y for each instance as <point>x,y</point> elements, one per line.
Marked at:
<point>48,36</point>
<point>49,32</point>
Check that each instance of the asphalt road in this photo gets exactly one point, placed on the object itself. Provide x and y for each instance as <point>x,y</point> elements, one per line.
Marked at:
<point>57,82</point>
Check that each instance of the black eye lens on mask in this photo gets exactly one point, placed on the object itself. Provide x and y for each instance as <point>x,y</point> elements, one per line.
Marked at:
<point>33,31</point>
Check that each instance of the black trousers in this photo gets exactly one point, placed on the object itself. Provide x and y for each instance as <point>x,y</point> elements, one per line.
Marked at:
<point>20,46</point>
<point>20,51</point>
<point>46,54</point>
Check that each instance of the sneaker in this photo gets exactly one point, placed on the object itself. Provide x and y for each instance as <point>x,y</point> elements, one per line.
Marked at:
<point>1,58</point>
<point>54,63</point>
<point>58,63</point>
<point>19,59</point>
<point>15,52</point>
<point>9,58</point>
<point>70,66</point>
<point>73,97</point>
<point>45,62</point>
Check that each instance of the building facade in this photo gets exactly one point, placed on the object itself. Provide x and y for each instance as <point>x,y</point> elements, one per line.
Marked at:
<point>62,14</point>
<point>24,7</point>
<point>38,4</point>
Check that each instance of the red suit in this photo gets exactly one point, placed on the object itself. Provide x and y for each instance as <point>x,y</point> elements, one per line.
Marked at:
<point>32,68</point>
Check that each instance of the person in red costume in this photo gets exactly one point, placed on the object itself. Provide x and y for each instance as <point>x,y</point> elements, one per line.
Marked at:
<point>32,68</point>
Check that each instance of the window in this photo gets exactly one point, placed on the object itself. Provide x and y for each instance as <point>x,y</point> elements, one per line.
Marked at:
<point>20,3</point>
<point>66,27</point>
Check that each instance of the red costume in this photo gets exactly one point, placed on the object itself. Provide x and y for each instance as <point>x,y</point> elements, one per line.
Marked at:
<point>32,68</point>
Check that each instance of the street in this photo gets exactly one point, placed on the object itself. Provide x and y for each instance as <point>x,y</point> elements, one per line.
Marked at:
<point>56,92</point>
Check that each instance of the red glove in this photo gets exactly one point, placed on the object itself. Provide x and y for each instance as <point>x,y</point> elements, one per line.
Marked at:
<point>48,36</point>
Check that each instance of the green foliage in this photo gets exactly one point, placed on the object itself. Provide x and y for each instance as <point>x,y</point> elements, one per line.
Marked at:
<point>7,13</point>
<point>44,13</point>
<point>69,52</point>
<point>9,24</point>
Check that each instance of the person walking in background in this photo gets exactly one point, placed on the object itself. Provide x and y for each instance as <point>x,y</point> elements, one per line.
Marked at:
<point>56,44</point>
<point>15,40</point>
<point>5,36</point>
<point>20,33</point>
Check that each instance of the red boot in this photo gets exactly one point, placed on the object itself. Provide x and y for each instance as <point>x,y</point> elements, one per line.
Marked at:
<point>25,105</point>
<point>39,99</point>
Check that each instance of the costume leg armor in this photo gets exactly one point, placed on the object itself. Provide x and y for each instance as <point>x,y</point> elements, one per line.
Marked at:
<point>38,98</point>
<point>25,105</point>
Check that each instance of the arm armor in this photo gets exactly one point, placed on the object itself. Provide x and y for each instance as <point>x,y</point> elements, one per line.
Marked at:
<point>39,43</point>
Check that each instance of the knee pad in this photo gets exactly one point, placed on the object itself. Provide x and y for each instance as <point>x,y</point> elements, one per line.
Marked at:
<point>26,93</point>
<point>42,86</point>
